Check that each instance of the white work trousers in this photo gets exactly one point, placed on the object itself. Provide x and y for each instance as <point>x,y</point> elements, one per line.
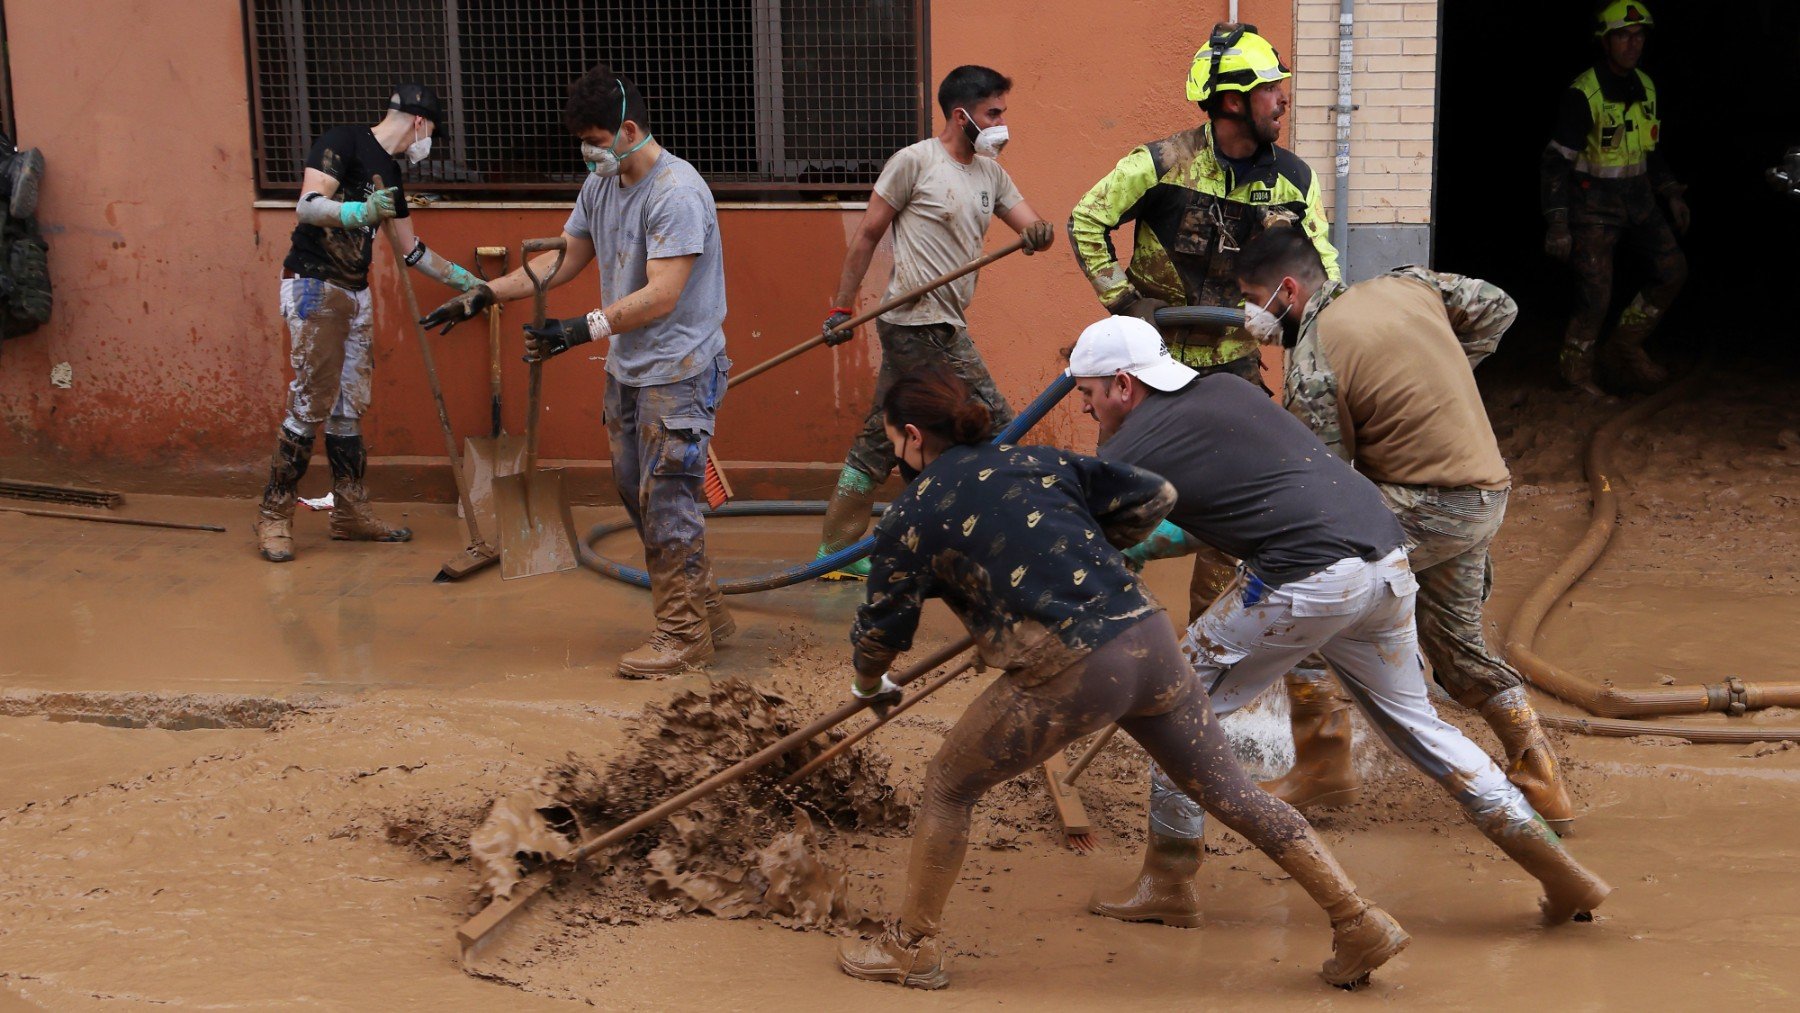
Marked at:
<point>1359,616</point>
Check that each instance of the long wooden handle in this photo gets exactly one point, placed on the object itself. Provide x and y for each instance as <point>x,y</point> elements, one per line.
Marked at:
<point>437,391</point>
<point>1089,754</point>
<point>540,294</point>
<point>895,303</point>
<point>861,733</point>
<point>142,522</point>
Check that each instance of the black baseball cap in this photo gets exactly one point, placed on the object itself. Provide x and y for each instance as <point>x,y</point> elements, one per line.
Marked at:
<point>419,100</point>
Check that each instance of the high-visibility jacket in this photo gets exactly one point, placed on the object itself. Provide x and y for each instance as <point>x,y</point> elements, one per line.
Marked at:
<point>1193,216</point>
<point>1621,135</point>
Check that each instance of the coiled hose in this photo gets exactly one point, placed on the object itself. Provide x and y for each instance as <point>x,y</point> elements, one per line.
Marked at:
<point>1173,316</point>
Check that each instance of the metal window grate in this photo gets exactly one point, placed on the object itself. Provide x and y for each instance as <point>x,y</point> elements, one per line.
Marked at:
<point>774,96</point>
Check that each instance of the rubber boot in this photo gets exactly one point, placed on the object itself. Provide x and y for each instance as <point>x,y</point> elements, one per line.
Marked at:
<point>1577,367</point>
<point>682,639</point>
<point>1530,762</point>
<point>895,956</point>
<point>1164,891</point>
<point>352,519</point>
<point>1570,891</point>
<point>1322,776</point>
<point>1363,936</point>
<point>275,518</point>
<point>1625,355</point>
<point>846,520</point>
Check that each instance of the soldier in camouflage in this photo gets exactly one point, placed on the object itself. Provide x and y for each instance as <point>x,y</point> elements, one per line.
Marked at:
<point>1383,372</point>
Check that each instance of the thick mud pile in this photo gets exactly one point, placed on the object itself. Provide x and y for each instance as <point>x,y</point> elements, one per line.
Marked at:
<point>752,849</point>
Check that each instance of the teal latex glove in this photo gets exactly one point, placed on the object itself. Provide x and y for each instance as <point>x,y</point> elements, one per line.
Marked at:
<point>1166,542</point>
<point>358,214</point>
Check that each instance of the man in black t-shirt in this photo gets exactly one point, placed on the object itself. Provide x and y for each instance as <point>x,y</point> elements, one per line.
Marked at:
<point>325,301</point>
<point>1324,570</point>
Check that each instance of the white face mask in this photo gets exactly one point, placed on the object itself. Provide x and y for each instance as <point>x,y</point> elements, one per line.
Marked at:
<point>417,150</point>
<point>1264,326</point>
<point>988,140</point>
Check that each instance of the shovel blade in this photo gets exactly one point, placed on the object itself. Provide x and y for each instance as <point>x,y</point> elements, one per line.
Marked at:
<point>537,533</point>
<point>486,458</point>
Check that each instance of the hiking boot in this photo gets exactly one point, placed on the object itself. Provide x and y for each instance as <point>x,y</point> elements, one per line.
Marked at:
<point>1322,775</point>
<point>275,517</point>
<point>1530,762</point>
<point>1361,944</point>
<point>1570,891</point>
<point>663,656</point>
<point>719,620</point>
<point>1625,357</point>
<point>1164,890</point>
<point>352,519</point>
<point>889,957</point>
<point>23,173</point>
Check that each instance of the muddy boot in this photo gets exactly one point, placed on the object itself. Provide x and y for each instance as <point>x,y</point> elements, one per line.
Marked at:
<point>897,956</point>
<point>1164,890</point>
<point>1625,356</point>
<point>1577,367</point>
<point>1530,763</point>
<point>275,518</point>
<point>352,519</point>
<point>1363,936</point>
<point>846,520</point>
<point>23,171</point>
<point>719,620</point>
<point>1570,891</point>
<point>682,639</point>
<point>1322,776</point>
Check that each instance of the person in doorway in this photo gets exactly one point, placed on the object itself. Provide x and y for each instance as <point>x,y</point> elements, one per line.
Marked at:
<point>325,301</point>
<point>1324,570</point>
<point>938,196</point>
<point>1605,185</point>
<point>1080,644</point>
<point>1198,198</point>
<point>649,220</point>
<point>1383,373</point>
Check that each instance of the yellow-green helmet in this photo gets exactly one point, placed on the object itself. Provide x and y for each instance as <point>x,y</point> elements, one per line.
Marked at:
<point>1234,59</point>
<point>1622,14</point>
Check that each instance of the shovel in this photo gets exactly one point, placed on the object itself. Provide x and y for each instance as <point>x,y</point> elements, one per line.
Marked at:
<point>478,554</point>
<point>537,534</point>
<point>496,455</point>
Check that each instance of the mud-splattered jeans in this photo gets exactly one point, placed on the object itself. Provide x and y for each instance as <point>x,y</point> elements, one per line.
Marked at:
<point>328,331</point>
<point>659,435</point>
<point>1449,531</point>
<point>1140,680</point>
<point>1359,616</point>
<point>905,348</point>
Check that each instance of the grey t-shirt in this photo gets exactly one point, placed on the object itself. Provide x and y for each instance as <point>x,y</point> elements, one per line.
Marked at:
<point>1252,481</point>
<point>668,213</point>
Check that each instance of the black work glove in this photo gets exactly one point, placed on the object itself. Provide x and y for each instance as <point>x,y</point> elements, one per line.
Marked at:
<point>838,318</point>
<point>463,307</point>
<point>880,692</point>
<point>1144,308</point>
<point>1038,236</point>
<point>555,337</point>
<point>1557,243</point>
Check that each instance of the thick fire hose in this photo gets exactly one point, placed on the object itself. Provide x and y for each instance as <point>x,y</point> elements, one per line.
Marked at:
<point>1176,316</point>
<point>1731,696</point>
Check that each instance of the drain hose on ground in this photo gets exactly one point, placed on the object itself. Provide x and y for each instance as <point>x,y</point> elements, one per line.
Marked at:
<point>1731,696</point>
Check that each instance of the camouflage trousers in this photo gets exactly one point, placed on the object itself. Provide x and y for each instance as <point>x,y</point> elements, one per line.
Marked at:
<point>904,348</point>
<point>1448,532</point>
<point>1607,217</point>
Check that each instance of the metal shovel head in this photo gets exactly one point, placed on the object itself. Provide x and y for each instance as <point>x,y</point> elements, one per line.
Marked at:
<point>486,458</point>
<point>537,534</point>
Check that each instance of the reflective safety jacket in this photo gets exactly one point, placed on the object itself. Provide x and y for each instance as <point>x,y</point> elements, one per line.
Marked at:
<point>1193,215</point>
<point>1607,128</point>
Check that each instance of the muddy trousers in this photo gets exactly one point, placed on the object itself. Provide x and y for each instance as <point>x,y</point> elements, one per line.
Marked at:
<point>1609,215</point>
<point>658,436</point>
<point>1359,616</point>
<point>1140,680</point>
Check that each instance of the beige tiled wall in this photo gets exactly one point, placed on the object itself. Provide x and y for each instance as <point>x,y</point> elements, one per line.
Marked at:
<point>1394,84</point>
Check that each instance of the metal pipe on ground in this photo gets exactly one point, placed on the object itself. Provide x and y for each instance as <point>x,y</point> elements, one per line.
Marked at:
<point>1730,696</point>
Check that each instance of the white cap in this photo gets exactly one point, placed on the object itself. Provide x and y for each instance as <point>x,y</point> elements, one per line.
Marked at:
<point>1127,345</point>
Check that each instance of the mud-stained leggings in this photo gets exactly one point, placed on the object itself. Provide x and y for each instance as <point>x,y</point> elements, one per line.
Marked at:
<point>1141,680</point>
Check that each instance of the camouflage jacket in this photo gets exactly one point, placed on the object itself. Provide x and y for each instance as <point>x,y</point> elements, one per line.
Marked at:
<point>1479,314</point>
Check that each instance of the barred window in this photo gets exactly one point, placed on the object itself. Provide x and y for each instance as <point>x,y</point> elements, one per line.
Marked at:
<point>781,98</point>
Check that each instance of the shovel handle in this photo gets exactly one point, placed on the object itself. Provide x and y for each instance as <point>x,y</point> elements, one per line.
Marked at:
<point>861,733</point>
<point>540,295</point>
<point>896,302</point>
<point>493,314</point>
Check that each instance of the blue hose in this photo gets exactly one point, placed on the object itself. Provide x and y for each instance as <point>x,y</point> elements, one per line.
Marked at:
<point>1033,413</point>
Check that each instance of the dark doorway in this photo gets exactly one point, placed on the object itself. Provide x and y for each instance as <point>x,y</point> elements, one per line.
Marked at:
<point>1728,82</point>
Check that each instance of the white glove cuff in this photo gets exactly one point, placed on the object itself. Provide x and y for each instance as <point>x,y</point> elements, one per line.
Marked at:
<point>886,685</point>
<point>598,326</point>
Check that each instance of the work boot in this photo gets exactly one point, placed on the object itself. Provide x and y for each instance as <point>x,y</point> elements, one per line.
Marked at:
<point>1625,356</point>
<point>897,956</point>
<point>24,170</point>
<point>275,518</point>
<point>683,637</point>
<point>352,519</point>
<point>1570,891</point>
<point>663,655</point>
<point>1322,775</point>
<point>719,620</point>
<point>1530,762</point>
<point>1360,944</point>
<point>1577,368</point>
<point>847,519</point>
<point>1164,890</point>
